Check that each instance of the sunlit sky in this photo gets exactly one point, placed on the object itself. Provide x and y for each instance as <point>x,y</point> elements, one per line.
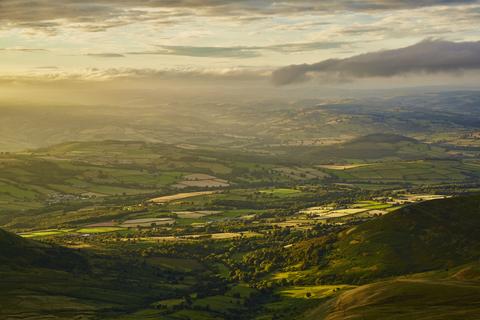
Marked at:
<point>101,39</point>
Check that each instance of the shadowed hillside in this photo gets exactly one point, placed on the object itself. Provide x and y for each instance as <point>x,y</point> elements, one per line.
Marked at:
<point>40,281</point>
<point>17,252</point>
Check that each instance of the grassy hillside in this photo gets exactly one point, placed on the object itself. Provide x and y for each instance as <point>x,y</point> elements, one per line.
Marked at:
<point>432,296</point>
<point>430,235</point>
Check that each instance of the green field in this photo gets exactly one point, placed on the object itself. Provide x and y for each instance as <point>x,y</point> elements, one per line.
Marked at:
<point>416,172</point>
<point>284,240</point>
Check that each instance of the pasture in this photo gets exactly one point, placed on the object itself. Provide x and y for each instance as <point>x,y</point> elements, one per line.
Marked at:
<point>312,292</point>
<point>415,172</point>
<point>281,192</point>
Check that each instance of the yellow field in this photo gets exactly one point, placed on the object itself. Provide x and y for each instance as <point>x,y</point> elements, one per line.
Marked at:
<point>342,167</point>
<point>180,196</point>
<point>231,235</point>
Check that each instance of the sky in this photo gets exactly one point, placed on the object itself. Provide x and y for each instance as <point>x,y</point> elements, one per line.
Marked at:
<point>65,43</point>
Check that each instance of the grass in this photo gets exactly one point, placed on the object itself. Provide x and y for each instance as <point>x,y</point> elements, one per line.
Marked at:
<point>195,315</point>
<point>221,304</point>
<point>281,192</point>
<point>42,233</point>
<point>312,292</point>
<point>407,298</point>
<point>343,167</point>
<point>414,238</point>
<point>176,263</point>
<point>241,290</point>
<point>169,303</point>
<point>181,196</point>
<point>231,235</point>
<point>56,232</point>
<point>428,171</point>
<point>99,230</point>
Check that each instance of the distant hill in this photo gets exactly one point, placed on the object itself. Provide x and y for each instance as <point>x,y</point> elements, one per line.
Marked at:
<point>437,234</point>
<point>372,147</point>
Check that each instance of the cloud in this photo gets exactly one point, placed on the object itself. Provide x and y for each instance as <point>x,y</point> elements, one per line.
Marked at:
<point>429,56</point>
<point>100,15</point>
<point>47,68</point>
<point>210,52</point>
<point>52,75</point>
<point>106,55</point>
<point>15,49</point>
<point>241,51</point>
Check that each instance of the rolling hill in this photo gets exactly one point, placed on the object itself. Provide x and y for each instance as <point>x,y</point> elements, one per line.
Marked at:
<point>431,235</point>
<point>372,147</point>
<point>419,262</point>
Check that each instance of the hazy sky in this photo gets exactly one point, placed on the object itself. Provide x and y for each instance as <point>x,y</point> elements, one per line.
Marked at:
<point>239,40</point>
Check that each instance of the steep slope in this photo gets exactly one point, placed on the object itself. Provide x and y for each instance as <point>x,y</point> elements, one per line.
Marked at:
<point>432,296</point>
<point>426,236</point>
<point>419,262</point>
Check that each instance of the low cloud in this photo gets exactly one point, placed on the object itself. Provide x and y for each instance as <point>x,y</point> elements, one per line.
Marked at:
<point>131,74</point>
<point>241,51</point>
<point>23,50</point>
<point>426,57</point>
<point>202,52</point>
<point>106,55</point>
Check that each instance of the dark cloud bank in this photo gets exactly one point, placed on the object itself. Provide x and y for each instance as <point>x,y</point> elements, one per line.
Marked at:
<point>427,57</point>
